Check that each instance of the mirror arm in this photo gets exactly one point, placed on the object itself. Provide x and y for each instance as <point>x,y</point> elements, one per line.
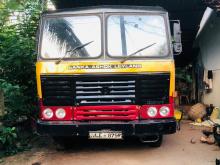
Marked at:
<point>176,37</point>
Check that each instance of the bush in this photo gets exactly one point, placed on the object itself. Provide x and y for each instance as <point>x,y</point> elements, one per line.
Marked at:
<point>17,58</point>
<point>17,68</point>
<point>14,102</point>
<point>8,138</point>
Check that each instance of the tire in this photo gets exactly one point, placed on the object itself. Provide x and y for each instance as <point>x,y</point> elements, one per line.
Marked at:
<point>157,143</point>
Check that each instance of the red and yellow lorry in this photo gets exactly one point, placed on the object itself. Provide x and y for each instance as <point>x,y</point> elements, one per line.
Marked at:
<point>106,73</point>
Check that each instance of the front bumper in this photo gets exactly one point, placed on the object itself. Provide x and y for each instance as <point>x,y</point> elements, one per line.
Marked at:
<point>130,128</point>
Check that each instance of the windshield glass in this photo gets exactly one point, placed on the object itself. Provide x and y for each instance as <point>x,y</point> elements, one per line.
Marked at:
<point>129,33</point>
<point>61,35</point>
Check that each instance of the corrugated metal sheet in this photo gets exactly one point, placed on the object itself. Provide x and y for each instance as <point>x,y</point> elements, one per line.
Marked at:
<point>215,4</point>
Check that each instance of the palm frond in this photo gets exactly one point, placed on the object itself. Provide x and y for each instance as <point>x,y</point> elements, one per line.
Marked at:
<point>62,32</point>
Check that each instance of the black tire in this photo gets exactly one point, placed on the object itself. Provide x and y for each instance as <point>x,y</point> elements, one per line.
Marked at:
<point>157,143</point>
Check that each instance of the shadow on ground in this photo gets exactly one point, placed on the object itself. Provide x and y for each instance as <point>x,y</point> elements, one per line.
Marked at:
<point>84,144</point>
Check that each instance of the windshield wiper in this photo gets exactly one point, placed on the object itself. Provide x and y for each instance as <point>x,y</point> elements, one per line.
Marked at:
<point>72,50</point>
<point>132,54</point>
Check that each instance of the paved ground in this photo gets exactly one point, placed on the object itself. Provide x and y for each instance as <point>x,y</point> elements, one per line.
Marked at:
<point>176,149</point>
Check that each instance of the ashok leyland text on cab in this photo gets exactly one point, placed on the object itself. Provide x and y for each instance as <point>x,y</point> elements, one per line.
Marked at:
<point>107,72</point>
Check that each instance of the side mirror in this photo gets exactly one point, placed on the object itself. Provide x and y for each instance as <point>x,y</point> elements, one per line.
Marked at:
<point>176,36</point>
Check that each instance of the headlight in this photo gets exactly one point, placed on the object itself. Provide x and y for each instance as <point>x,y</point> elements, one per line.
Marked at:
<point>164,111</point>
<point>152,111</point>
<point>60,113</point>
<point>47,113</point>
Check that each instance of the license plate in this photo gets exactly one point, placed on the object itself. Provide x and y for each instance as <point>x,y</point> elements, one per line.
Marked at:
<point>105,135</point>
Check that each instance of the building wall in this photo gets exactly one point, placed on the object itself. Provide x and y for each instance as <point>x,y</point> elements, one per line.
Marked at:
<point>213,97</point>
<point>209,44</point>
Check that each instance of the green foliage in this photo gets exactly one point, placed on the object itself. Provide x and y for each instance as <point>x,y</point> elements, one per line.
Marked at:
<point>184,80</point>
<point>184,74</point>
<point>17,60</point>
<point>17,67</point>
<point>14,101</point>
<point>8,138</point>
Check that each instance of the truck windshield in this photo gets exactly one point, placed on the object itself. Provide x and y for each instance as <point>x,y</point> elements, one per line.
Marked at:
<point>128,33</point>
<point>63,34</point>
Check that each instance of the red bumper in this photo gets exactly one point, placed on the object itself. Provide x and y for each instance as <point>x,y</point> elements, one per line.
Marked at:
<point>109,112</point>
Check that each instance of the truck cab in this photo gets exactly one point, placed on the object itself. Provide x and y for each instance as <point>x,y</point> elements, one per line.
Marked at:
<point>106,73</point>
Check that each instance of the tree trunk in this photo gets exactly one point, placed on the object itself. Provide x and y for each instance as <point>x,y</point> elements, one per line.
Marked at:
<point>2,106</point>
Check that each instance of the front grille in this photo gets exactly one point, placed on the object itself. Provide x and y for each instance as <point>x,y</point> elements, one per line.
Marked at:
<point>108,90</point>
<point>129,112</point>
<point>57,90</point>
<point>124,89</point>
<point>154,89</point>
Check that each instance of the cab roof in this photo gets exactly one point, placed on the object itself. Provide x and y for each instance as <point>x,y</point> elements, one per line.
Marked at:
<point>107,8</point>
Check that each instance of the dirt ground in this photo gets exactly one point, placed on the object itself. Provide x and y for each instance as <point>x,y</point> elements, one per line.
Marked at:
<point>176,149</point>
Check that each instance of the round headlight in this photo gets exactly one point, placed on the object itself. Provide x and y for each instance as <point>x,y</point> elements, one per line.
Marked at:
<point>60,113</point>
<point>47,113</point>
<point>152,111</point>
<point>164,111</point>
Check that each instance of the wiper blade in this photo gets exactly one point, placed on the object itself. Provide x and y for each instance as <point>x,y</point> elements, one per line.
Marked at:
<point>132,54</point>
<point>72,50</point>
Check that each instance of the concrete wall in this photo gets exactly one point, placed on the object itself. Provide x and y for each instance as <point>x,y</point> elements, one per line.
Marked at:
<point>209,43</point>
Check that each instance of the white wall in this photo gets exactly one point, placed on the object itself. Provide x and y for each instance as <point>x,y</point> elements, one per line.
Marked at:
<point>209,43</point>
<point>213,97</point>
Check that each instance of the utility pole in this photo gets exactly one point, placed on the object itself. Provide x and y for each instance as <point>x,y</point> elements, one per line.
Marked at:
<point>123,36</point>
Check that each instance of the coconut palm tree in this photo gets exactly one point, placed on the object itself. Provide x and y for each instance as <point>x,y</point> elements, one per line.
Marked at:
<point>61,31</point>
